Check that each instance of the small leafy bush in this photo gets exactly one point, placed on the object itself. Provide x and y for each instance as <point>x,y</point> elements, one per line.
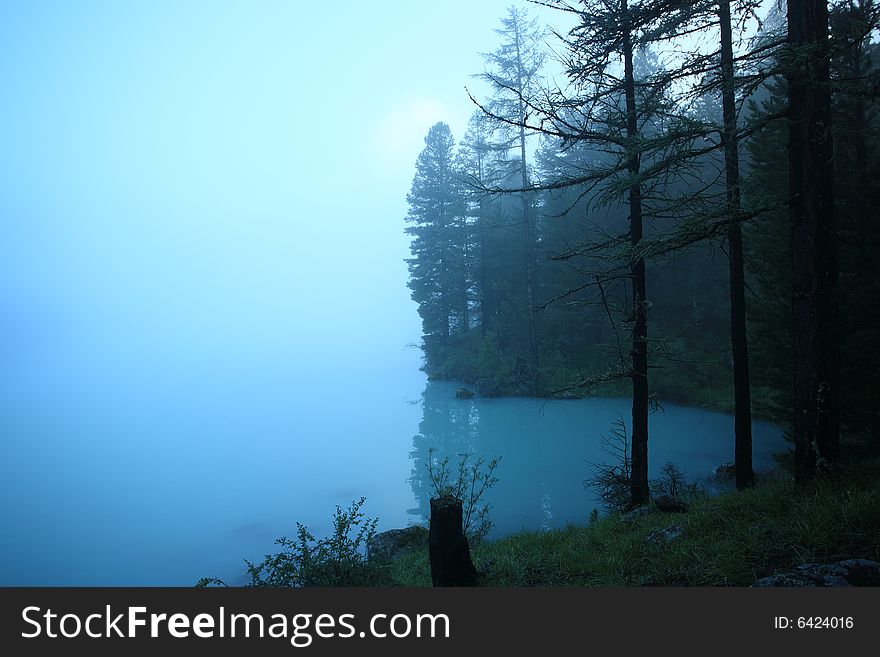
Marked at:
<point>611,481</point>
<point>468,483</point>
<point>673,483</point>
<point>338,560</point>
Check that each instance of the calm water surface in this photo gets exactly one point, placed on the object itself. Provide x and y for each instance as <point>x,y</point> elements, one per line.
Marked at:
<point>175,471</point>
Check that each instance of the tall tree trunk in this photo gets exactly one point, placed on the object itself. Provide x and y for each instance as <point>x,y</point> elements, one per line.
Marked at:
<point>485,305</point>
<point>466,273</point>
<point>528,227</point>
<point>639,492</point>
<point>861,41</point>
<point>739,342</point>
<point>485,292</point>
<point>813,241</point>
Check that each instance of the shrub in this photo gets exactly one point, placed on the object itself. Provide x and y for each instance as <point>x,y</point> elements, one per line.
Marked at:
<point>673,484</point>
<point>338,560</point>
<point>611,482</point>
<point>470,484</point>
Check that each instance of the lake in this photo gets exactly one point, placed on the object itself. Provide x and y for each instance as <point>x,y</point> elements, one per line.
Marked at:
<point>547,448</point>
<point>159,470</point>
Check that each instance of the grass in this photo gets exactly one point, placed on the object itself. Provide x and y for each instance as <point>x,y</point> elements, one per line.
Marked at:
<point>728,540</point>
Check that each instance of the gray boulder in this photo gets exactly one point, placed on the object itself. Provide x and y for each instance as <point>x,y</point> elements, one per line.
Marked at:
<point>638,512</point>
<point>725,472</point>
<point>664,535</point>
<point>849,572</point>
<point>388,546</point>
<point>670,504</point>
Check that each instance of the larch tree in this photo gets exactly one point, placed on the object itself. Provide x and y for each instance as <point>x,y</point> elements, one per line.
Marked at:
<point>514,75</point>
<point>718,74</point>
<point>639,483</point>
<point>611,111</point>
<point>738,336</point>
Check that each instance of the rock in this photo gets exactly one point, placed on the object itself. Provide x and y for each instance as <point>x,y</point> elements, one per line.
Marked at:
<point>790,580</point>
<point>386,547</point>
<point>670,504</point>
<point>849,572</point>
<point>725,472</point>
<point>664,535</point>
<point>464,393</point>
<point>638,512</point>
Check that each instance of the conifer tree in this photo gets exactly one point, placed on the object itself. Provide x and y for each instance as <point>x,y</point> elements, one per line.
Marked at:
<point>438,268</point>
<point>513,73</point>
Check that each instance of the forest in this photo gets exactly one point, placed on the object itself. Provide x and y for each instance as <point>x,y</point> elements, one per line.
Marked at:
<point>509,293</point>
<point>685,215</point>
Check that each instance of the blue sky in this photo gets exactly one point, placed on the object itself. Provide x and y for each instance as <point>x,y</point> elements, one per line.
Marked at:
<point>219,175</point>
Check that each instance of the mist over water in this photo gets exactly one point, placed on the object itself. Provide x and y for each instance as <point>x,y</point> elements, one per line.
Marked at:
<point>140,471</point>
<point>150,473</point>
<point>205,330</point>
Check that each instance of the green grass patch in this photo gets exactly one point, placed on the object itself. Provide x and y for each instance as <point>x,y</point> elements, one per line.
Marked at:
<point>728,540</point>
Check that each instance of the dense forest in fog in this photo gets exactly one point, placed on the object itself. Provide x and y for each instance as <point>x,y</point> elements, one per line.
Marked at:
<point>685,215</point>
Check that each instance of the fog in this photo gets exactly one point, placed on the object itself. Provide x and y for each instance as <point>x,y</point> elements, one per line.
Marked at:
<point>206,333</point>
<point>202,254</point>
<point>186,179</point>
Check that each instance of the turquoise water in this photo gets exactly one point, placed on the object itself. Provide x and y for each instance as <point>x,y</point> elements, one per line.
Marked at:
<point>546,448</point>
<point>138,470</point>
<point>159,468</point>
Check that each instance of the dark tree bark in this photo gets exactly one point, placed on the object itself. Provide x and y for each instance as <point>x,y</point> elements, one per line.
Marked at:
<point>448,547</point>
<point>528,224</point>
<point>639,492</point>
<point>875,434</point>
<point>813,241</point>
<point>739,342</point>
<point>465,275</point>
<point>485,294</point>
<point>485,303</point>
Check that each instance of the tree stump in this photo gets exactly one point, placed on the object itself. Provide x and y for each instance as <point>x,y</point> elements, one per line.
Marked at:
<point>448,547</point>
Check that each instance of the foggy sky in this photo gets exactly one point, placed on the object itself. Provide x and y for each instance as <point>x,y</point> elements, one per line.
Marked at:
<point>219,178</point>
